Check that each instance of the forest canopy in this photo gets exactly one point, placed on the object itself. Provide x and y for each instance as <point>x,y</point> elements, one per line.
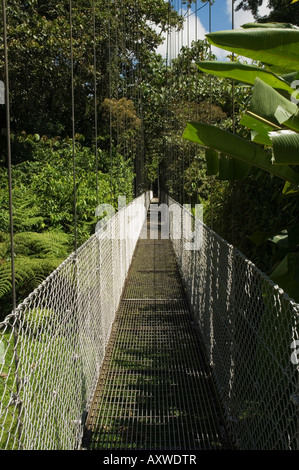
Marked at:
<point>131,106</point>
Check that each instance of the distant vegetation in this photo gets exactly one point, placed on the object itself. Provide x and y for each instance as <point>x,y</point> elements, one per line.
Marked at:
<point>142,107</point>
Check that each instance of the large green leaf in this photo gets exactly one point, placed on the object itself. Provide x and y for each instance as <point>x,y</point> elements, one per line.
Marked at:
<point>269,25</point>
<point>271,106</point>
<point>212,160</point>
<point>260,128</point>
<point>281,239</point>
<point>285,147</point>
<point>232,169</point>
<point>235,146</point>
<point>269,45</point>
<point>290,190</point>
<point>290,77</point>
<point>225,167</point>
<point>287,238</point>
<point>244,73</point>
<point>258,237</point>
<point>262,139</point>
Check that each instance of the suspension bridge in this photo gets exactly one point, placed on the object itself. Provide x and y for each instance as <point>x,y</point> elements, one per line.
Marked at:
<point>139,343</point>
<point>143,340</point>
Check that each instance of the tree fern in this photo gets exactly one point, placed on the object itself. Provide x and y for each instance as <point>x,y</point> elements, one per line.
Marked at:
<point>53,244</point>
<point>27,213</point>
<point>29,274</point>
<point>36,256</point>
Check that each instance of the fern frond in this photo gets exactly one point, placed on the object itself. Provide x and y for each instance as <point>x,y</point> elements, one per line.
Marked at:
<point>42,245</point>
<point>29,274</point>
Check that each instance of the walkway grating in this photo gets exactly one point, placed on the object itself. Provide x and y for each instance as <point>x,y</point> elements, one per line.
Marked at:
<point>155,390</point>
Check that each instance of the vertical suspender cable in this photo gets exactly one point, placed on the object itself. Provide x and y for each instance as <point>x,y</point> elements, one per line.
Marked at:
<point>95,103</point>
<point>233,82</point>
<point>195,20</point>
<point>183,170</point>
<point>7,98</point>
<point>124,68</point>
<point>140,117</point>
<point>210,117</point>
<point>233,126</point>
<point>171,53</point>
<point>73,120</point>
<point>183,153</point>
<point>167,91</point>
<point>110,100</point>
<point>13,279</point>
<point>196,83</point>
<point>189,97</point>
<point>118,117</point>
<point>210,30</point>
<point>133,95</point>
<point>167,88</point>
<point>175,153</point>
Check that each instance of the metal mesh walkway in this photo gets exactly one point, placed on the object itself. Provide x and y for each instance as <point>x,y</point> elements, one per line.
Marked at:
<point>154,389</point>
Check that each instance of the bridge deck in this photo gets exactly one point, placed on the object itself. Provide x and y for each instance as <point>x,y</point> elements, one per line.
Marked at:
<point>155,390</point>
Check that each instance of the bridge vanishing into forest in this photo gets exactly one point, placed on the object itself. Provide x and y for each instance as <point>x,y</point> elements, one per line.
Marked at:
<point>155,334</point>
<point>136,342</point>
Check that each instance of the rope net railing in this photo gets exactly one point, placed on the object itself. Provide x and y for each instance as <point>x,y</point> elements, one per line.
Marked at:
<point>249,327</point>
<point>52,346</point>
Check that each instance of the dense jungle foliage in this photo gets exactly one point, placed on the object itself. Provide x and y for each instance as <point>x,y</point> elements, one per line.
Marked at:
<point>129,121</point>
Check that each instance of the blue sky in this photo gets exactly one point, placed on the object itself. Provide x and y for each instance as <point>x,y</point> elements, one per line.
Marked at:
<point>221,15</point>
<point>197,25</point>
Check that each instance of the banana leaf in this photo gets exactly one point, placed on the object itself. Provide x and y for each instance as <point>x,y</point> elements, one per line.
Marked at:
<point>271,106</point>
<point>280,239</point>
<point>244,73</point>
<point>235,146</point>
<point>260,128</point>
<point>262,139</point>
<point>259,237</point>
<point>212,160</point>
<point>285,147</point>
<point>290,77</point>
<point>232,169</point>
<point>269,25</point>
<point>274,46</point>
<point>290,190</point>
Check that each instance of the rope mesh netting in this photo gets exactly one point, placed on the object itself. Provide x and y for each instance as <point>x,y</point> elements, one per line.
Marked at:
<point>248,326</point>
<point>155,390</point>
<point>56,343</point>
<point>53,345</point>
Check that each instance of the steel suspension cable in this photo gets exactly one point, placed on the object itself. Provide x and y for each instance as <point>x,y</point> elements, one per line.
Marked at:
<point>196,9</point>
<point>95,104</point>
<point>73,122</point>
<point>177,52</point>
<point>168,84</point>
<point>11,221</point>
<point>189,91</point>
<point>233,82</point>
<point>233,127</point>
<point>135,98</point>
<point>110,100</point>
<point>140,129</point>
<point>210,121</point>
<point>8,137</point>
<point>118,117</point>
<point>124,68</point>
<point>182,193</point>
<point>197,198</point>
